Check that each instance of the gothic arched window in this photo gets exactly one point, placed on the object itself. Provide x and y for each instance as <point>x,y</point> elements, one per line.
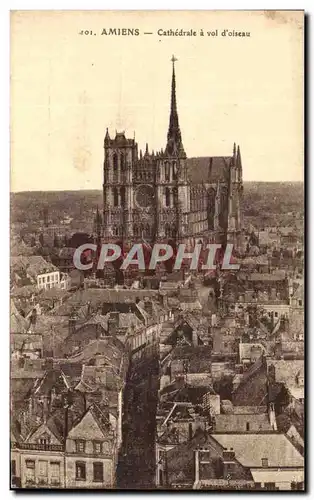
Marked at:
<point>122,195</point>
<point>135,230</point>
<point>211,195</point>
<point>122,161</point>
<point>115,197</point>
<point>115,163</point>
<point>167,230</point>
<point>173,231</point>
<point>174,170</point>
<point>167,193</point>
<point>147,231</point>
<point>175,196</point>
<point>223,207</point>
<point>167,171</point>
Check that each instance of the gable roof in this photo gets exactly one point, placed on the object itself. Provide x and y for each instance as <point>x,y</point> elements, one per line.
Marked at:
<point>235,422</point>
<point>107,348</point>
<point>99,417</point>
<point>49,380</point>
<point>18,324</point>
<point>286,370</point>
<point>208,169</point>
<point>54,424</point>
<point>251,448</point>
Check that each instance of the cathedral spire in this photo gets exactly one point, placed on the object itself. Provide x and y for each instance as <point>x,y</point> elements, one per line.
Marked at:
<point>174,140</point>
<point>107,137</point>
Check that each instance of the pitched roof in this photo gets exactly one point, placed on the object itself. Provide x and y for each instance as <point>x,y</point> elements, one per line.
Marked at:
<point>278,476</point>
<point>26,341</point>
<point>33,264</point>
<point>104,295</point>
<point>237,422</point>
<point>71,371</point>
<point>101,419</point>
<point>50,379</point>
<point>18,324</point>
<point>209,169</point>
<point>113,356</point>
<point>251,448</point>
<point>286,370</point>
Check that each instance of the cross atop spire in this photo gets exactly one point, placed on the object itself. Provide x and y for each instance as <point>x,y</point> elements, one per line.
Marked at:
<point>173,59</point>
<point>174,140</point>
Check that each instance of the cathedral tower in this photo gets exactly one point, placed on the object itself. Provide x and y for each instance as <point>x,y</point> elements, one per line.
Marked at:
<point>120,157</point>
<point>171,178</point>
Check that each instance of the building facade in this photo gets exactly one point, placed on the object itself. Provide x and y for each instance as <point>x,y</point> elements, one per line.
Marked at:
<point>164,195</point>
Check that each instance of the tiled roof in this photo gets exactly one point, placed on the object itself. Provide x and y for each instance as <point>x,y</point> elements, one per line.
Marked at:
<point>287,370</point>
<point>101,295</point>
<point>51,378</point>
<point>72,371</point>
<point>33,264</point>
<point>24,291</point>
<point>251,448</point>
<point>54,293</point>
<point>98,319</point>
<point>278,476</point>
<point>208,169</point>
<point>237,422</point>
<point>26,341</point>
<point>66,252</point>
<point>104,347</point>
<point>279,276</point>
<point>18,324</point>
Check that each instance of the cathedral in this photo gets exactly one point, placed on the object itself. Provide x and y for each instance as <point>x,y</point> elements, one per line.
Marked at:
<point>165,195</point>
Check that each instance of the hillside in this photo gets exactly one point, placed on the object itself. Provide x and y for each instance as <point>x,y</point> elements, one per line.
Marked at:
<point>261,202</point>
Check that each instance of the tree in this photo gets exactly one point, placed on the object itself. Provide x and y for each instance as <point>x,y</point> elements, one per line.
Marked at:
<point>56,241</point>
<point>41,239</point>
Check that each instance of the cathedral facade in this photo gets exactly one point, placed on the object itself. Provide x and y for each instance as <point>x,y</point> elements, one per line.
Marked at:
<point>165,195</point>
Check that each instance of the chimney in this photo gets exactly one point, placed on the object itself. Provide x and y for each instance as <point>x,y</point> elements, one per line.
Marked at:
<point>228,463</point>
<point>72,324</point>
<point>165,300</point>
<point>214,320</point>
<point>66,422</point>
<point>148,306</point>
<point>228,455</point>
<point>33,318</point>
<point>113,323</point>
<point>264,462</point>
<point>272,416</point>
<point>194,338</point>
<point>197,466</point>
<point>48,364</point>
<point>46,408</point>
<point>271,374</point>
<point>273,294</point>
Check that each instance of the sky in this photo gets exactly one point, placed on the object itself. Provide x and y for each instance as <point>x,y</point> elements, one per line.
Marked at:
<point>67,87</point>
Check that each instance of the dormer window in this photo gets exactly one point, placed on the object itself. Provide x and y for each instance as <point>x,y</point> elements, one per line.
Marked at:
<point>97,447</point>
<point>44,439</point>
<point>80,446</point>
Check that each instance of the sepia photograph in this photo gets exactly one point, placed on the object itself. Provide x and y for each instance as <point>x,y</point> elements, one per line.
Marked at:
<point>157,250</point>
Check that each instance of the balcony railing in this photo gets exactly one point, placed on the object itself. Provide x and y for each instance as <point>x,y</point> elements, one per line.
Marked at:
<point>40,447</point>
<point>42,483</point>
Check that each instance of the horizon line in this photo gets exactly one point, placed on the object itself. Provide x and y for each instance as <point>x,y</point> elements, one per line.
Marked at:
<point>97,189</point>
